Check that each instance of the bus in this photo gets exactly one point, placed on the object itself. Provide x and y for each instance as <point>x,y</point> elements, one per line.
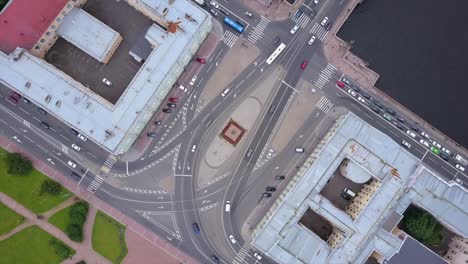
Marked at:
<point>276,53</point>
<point>238,27</point>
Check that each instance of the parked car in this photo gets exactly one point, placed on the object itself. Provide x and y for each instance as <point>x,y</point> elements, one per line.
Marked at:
<point>158,122</point>
<point>424,134</point>
<point>214,4</point>
<point>279,177</point>
<point>340,84</point>
<point>460,167</point>
<point>213,12</point>
<point>194,78</point>
<point>360,99</point>
<point>352,92</point>
<point>346,80</point>
<point>366,95</point>
<point>15,95</point>
<point>171,105</point>
<point>13,100</point>
<point>328,26</point>
<point>201,60</point>
<point>447,151</point>
<point>270,189</point>
<point>107,82</point>
<point>151,134</point>
<point>388,117</point>
<point>414,127</point>
<point>82,137</point>
<point>436,144</point>
<point>173,99</point>
<point>444,156</point>
<point>76,147</point>
<point>224,11</point>
<point>45,125</point>
<point>378,103</point>
<point>248,154</point>
<point>406,144</point>
<point>374,108</point>
<point>266,194</point>
<point>225,92</point>
<point>424,143</point>
<point>390,111</point>
<point>167,110</point>
<point>257,256</point>
<point>71,164</point>
<point>411,133</point>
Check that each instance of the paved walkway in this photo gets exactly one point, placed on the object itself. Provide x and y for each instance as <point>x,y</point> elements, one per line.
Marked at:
<point>83,250</point>
<point>277,10</point>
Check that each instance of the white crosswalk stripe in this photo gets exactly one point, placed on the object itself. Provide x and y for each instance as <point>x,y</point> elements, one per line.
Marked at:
<point>258,29</point>
<point>229,38</point>
<point>319,31</point>
<point>325,75</point>
<point>64,149</point>
<point>94,185</point>
<point>244,255</point>
<point>110,161</point>
<point>301,20</point>
<point>324,104</point>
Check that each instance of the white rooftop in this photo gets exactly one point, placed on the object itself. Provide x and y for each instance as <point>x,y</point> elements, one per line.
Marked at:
<point>280,236</point>
<point>87,33</point>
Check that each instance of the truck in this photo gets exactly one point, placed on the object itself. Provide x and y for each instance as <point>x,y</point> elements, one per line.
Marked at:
<point>460,159</point>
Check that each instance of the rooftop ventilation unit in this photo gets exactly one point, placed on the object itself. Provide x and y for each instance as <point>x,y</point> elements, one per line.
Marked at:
<point>47,99</point>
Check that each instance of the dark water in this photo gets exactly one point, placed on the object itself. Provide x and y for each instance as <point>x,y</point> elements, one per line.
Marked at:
<point>420,50</point>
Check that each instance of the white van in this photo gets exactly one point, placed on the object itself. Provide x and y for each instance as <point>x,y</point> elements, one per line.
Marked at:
<point>299,150</point>
<point>349,192</point>
<point>227,207</point>
<point>183,88</point>
<point>225,92</point>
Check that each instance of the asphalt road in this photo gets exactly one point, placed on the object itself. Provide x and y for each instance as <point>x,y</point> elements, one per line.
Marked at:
<point>172,213</point>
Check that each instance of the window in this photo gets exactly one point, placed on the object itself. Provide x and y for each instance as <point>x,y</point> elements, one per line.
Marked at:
<point>54,27</point>
<point>37,47</point>
<point>58,19</point>
<point>47,33</point>
<point>69,6</point>
<point>42,40</point>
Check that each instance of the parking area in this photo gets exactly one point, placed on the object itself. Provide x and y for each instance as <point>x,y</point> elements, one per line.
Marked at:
<point>121,68</point>
<point>334,190</point>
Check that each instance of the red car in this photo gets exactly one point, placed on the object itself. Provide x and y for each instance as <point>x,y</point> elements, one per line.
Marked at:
<point>201,60</point>
<point>174,99</point>
<point>304,65</point>
<point>13,100</point>
<point>15,95</point>
<point>340,84</point>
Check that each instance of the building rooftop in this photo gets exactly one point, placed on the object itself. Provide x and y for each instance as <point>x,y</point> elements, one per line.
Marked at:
<point>412,252</point>
<point>398,179</point>
<point>22,22</point>
<point>114,126</point>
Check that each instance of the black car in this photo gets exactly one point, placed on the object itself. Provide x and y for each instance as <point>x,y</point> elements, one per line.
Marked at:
<point>75,176</point>
<point>270,189</point>
<point>276,40</point>
<point>356,88</point>
<point>328,26</point>
<point>374,108</point>
<point>272,108</point>
<point>74,132</point>
<point>215,259</point>
<point>45,125</point>
<point>167,110</point>
<point>266,194</point>
<point>399,125</point>
<point>225,12</point>
<point>378,103</point>
<point>42,111</point>
<point>444,156</point>
<point>240,23</point>
<point>172,105</point>
<point>159,122</point>
<point>249,154</point>
<point>390,111</point>
<point>399,118</point>
<point>415,128</point>
<point>152,135</point>
<point>279,177</point>
<point>196,228</point>
<point>366,95</point>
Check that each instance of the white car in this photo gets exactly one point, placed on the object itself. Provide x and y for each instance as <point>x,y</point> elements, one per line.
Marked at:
<point>106,82</point>
<point>294,29</point>
<point>459,181</point>
<point>311,40</point>
<point>71,164</point>
<point>406,144</point>
<point>233,240</point>
<point>316,1</point>
<point>225,92</point>
<point>75,147</point>
<point>324,21</point>
<point>82,137</point>
<point>447,151</point>
<point>352,92</point>
<point>194,78</point>
<point>436,144</point>
<point>424,134</point>
<point>459,167</point>
<point>214,4</point>
<point>424,142</point>
<point>360,99</point>
<point>194,147</point>
<point>257,256</point>
<point>183,88</point>
<point>411,133</point>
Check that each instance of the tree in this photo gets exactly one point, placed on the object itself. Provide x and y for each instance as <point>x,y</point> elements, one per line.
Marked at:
<point>75,232</point>
<point>17,164</point>
<point>422,226</point>
<point>60,248</point>
<point>51,187</point>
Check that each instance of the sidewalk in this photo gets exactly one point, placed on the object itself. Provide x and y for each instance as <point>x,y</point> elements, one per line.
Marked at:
<point>278,10</point>
<point>70,184</point>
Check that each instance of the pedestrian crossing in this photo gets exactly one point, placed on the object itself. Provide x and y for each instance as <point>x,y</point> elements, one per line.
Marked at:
<point>325,76</point>
<point>324,104</point>
<point>110,161</point>
<point>244,255</point>
<point>229,38</point>
<point>257,31</point>
<point>95,184</point>
<point>64,149</point>
<point>301,20</point>
<point>319,31</point>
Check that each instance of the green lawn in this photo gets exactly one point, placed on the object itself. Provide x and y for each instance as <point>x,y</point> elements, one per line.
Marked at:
<point>9,219</point>
<point>3,4</point>
<point>109,238</point>
<point>26,189</point>
<point>61,218</point>
<point>30,245</point>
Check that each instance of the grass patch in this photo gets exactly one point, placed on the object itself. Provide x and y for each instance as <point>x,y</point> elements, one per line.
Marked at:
<point>109,238</point>
<point>27,189</point>
<point>3,4</point>
<point>31,245</point>
<point>61,219</point>
<point>9,219</point>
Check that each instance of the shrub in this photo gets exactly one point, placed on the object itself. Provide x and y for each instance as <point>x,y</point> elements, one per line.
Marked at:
<point>17,164</point>
<point>60,248</point>
<point>51,187</point>
<point>78,213</point>
<point>423,226</point>
<point>75,232</point>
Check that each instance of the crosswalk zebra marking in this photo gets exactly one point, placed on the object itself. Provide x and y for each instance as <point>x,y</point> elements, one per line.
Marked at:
<point>324,104</point>
<point>95,184</point>
<point>258,29</point>
<point>301,20</point>
<point>325,76</point>
<point>319,31</point>
<point>229,38</point>
<point>110,161</point>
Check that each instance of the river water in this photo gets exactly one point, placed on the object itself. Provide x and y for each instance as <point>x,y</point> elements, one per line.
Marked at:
<point>420,50</point>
